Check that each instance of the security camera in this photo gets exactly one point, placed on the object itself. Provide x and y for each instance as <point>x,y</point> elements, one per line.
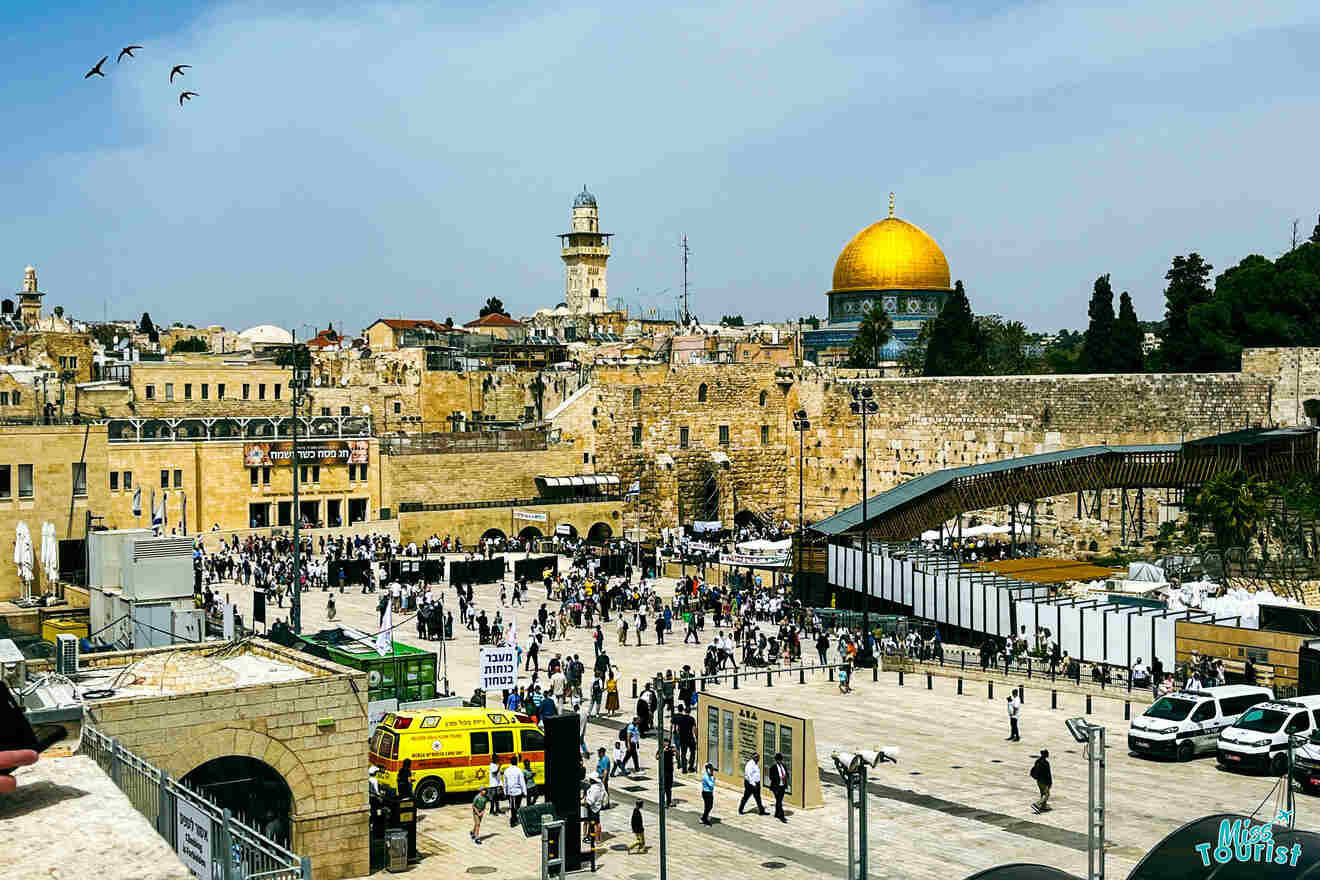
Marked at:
<point>1080,729</point>
<point>887,753</point>
<point>869,758</point>
<point>845,762</point>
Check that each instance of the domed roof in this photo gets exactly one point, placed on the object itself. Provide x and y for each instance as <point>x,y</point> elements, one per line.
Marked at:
<point>584,199</point>
<point>267,333</point>
<point>891,255</point>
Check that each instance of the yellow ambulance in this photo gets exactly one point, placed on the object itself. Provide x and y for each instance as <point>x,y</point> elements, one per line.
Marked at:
<point>451,749</point>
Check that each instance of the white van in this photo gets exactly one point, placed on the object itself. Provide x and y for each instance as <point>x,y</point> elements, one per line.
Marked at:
<point>1187,723</point>
<point>1258,740</point>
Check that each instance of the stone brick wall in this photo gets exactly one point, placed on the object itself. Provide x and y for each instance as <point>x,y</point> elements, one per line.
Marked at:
<point>1295,373</point>
<point>472,476</point>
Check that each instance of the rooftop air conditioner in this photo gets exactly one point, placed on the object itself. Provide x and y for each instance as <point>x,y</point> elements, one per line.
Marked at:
<point>66,654</point>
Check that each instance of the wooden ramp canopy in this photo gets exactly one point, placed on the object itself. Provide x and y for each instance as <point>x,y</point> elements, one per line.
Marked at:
<point>906,511</point>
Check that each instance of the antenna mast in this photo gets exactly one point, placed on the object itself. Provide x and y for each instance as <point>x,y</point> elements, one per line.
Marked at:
<point>687,316</point>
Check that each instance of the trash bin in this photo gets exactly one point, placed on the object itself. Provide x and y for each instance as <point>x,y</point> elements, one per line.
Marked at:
<point>396,850</point>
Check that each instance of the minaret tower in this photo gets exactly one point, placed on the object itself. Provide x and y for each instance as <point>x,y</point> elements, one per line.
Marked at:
<point>585,251</point>
<point>29,299</point>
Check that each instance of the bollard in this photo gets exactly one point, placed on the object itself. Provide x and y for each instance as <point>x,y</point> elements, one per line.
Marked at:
<point>875,670</point>
<point>830,671</point>
<point>1088,704</point>
<point>1054,699</point>
<point>990,690</point>
<point>1022,695</point>
<point>960,683</point>
<point>900,678</point>
<point>1028,669</point>
<point>735,679</point>
<point>703,683</point>
<point>769,679</point>
<point>962,660</point>
<point>802,675</point>
<point>634,688</point>
<point>1127,710</point>
<point>930,682</point>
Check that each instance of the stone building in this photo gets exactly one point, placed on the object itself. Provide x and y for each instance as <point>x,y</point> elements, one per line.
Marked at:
<point>585,251</point>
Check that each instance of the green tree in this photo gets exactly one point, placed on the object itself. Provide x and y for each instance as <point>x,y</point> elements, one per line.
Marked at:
<point>1062,355</point>
<point>1188,277</point>
<point>731,321</point>
<point>956,347</point>
<point>1098,349</point>
<point>493,306</point>
<point>1006,345</point>
<point>1315,233</point>
<point>912,359</point>
<point>811,321</point>
<point>192,343</point>
<point>1128,338</point>
<point>1231,506</point>
<point>145,326</point>
<point>872,335</point>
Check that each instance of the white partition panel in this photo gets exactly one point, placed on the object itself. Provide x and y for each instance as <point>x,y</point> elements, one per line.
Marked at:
<point>1006,612</point>
<point>1143,635</point>
<point>1116,637</point>
<point>908,587</point>
<point>1028,613</point>
<point>978,607</point>
<point>1164,641</point>
<point>1047,618</point>
<point>941,596</point>
<point>964,609</point>
<point>1070,630</point>
<point>928,599</point>
<point>1093,635</point>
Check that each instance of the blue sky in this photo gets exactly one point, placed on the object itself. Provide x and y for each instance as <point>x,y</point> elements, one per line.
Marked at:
<point>346,161</point>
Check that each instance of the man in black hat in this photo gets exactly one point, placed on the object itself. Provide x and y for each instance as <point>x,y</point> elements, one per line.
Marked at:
<point>778,777</point>
<point>1040,771</point>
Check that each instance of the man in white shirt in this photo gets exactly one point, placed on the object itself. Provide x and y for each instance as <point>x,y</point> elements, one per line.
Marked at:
<point>1140,674</point>
<point>1014,712</point>
<point>515,788</point>
<point>752,785</point>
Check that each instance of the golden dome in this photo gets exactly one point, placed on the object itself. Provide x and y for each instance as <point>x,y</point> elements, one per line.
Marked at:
<point>891,255</point>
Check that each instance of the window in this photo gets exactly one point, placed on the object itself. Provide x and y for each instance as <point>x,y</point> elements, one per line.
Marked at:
<point>637,398</point>
<point>724,435</point>
<point>302,473</point>
<point>6,484</point>
<point>25,481</point>
<point>1298,724</point>
<point>502,742</point>
<point>637,435</point>
<point>265,476</point>
<point>398,407</point>
<point>128,480</point>
<point>763,398</point>
<point>18,397</point>
<point>325,410</point>
<point>80,478</point>
<point>253,475</point>
<point>1204,712</point>
<point>683,437</point>
<point>261,391</point>
<point>343,410</point>
<point>187,391</point>
<point>247,391</point>
<point>701,393</point>
<point>316,473</point>
<point>169,390</point>
<point>479,743</point>
<point>4,398</point>
<point>277,390</point>
<point>220,391</point>
<point>178,478</point>
<point>1237,705</point>
<point>206,390</point>
<point>151,392</point>
<point>765,435</point>
<point>164,479</point>
<point>532,741</point>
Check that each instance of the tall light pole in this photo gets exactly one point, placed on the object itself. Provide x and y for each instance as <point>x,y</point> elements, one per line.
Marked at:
<point>302,376</point>
<point>863,405</point>
<point>852,769</point>
<point>664,689</point>
<point>801,425</point>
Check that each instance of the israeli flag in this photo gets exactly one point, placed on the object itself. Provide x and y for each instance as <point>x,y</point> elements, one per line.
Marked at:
<point>137,501</point>
<point>635,488</point>
<point>158,513</point>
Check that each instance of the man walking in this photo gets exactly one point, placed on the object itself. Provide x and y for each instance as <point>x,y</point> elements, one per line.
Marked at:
<point>752,785</point>
<point>708,793</point>
<point>515,788</point>
<point>1014,712</point>
<point>779,785</point>
<point>1040,771</point>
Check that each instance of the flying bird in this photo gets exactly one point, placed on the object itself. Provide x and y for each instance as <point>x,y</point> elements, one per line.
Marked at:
<point>186,96</point>
<point>127,50</point>
<point>179,69</point>
<point>96,71</point>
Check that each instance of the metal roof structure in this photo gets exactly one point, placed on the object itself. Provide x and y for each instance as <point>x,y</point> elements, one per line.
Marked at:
<point>581,480</point>
<point>907,510</point>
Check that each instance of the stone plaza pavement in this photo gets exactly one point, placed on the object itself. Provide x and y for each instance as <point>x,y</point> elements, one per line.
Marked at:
<point>957,802</point>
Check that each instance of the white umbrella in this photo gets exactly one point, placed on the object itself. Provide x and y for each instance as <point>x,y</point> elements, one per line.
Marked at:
<point>23,556</point>
<point>50,555</point>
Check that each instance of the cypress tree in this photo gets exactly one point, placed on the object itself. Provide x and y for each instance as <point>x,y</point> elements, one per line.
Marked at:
<point>1127,338</point>
<point>957,347</point>
<point>1098,353</point>
<point>1189,287</point>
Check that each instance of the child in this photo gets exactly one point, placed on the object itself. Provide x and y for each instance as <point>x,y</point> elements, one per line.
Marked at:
<point>637,829</point>
<point>843,679</point>
<point>478,811</point>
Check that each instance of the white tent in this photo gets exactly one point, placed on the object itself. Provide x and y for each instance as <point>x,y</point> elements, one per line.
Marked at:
<point>762,546</point>
<point>1145,573</point>
<point>50,553</point>
<point>23,556</point>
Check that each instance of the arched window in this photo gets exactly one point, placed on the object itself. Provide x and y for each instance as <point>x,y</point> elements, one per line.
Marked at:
<point>701,393</point>
<point>637,398</point>
<point>763,398</point>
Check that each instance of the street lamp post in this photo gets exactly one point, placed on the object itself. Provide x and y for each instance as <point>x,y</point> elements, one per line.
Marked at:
<point>298,386</point>
<point>863,405</point>
<point>664,689</point>
<point>801,425</point>
<point>852,769</point>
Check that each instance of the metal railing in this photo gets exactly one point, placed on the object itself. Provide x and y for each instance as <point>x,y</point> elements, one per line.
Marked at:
<point>238,852</point>
<point>419,507</point>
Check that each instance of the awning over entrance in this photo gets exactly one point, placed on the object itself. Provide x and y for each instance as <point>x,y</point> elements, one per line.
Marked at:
<point>603,480</point>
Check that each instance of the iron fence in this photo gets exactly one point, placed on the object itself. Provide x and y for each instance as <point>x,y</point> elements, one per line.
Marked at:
<point>238,852</point>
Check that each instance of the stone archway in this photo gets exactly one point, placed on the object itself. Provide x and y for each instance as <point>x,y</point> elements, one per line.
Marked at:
<point>203,748</point>
<point>496,534</point>
<point>599,533</point>
<point>531,533</point>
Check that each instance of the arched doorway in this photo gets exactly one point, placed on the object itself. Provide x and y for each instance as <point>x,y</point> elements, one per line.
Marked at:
<point>253,790</point>
<point>531,533</point>
<point>744,518</point>
<point>566,530</point>
<point>600,533</point>
<point>495,534</point>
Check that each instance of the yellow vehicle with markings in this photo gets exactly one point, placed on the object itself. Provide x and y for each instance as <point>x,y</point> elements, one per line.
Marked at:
<point>451,749</point>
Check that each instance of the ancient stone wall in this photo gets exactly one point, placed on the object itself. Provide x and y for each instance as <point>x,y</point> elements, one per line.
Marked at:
<point>1295,373</point>
<point>472,476</point>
